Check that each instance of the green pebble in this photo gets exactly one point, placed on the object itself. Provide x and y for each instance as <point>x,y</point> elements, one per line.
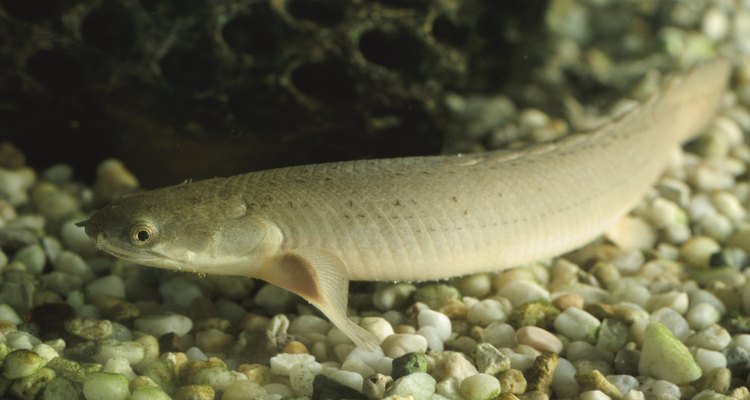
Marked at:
<point>663,356</point>
<point>105,386</point>
<point>60,389</point>
<point>480,387</point>
<point>195,392</point>
<point>22,363</point>
<point>67,369</point>
<point>325,388</point>
<point>28,387</point>
<point>149,393</point>
<point>408,364</point>
<point>436,295</point>
<point>89,328</point>
<point>538,313</point>
<point>710,395</point>
<point>489,359</point>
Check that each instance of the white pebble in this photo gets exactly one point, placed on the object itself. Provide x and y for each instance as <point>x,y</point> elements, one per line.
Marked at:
<point>500,334</point>
<point>624,383</point>
<point>439,321</point>
<point>278,391</point>
<point>728,204</point>
<point>632,233</point>
<point>350,379</point>
<point>714,337</point>
<point>672,320</point>
<point>45,351</point>
<point>133,352</point>
<point>480,387</point>
<point>698,296</point>
<point>119,366</point>
<point>7,313</point>
<point>660,389</point>
<point>399,344</point>
<point>577,324</point>
<point>363,361</point>
<point>677,301</point>
<point>281,364</point>
<point>702,315</point>
<point>434,342</point>
<point>563,379</point>
<point>195,354</point>
<point>629,291</point>
<point>523,291</point>
<point>594,395</point>
<point>160,324</point>
<point>242,390</point>
<point>715,24</point>
<point>378,326</point>
<point>709,359</point>
<point>301,377</point>
<point>486,311</point>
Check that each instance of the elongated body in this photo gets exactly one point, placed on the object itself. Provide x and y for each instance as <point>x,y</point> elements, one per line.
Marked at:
<point>311,229</point>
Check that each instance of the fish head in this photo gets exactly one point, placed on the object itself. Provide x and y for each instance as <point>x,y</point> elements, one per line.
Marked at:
<point>193,226</point>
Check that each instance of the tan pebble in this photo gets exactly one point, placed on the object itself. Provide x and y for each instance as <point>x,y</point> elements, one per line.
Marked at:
<point>408,329</point>
<point>212,323</point>
<point>539,339</point>
<point>253,323</point>
<point>512,381</point>
<point>539,376</point>
<point>195,392</point>
<point>257,373</point>
<point>455,309</point>
<point>295,347</point>
<point>568,300</point>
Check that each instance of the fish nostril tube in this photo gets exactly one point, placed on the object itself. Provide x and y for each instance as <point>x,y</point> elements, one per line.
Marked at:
<point>89,228</point>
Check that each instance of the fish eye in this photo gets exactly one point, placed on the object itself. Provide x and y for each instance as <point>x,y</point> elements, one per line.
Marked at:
<point>142,233</point>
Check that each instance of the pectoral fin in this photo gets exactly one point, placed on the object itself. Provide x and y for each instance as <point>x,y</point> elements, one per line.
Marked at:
<point>319,278</point>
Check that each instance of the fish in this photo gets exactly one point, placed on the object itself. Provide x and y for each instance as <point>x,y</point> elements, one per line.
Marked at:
<point>311,229</point>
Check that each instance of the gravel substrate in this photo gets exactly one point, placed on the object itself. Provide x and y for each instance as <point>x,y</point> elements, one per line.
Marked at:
<point>656,309</point>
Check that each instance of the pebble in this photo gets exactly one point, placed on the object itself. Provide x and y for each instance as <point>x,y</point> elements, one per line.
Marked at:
<point>612,335</point>
<point>663,356</point>
<point>7,313</point>
<point>110,285</point>
<point>105,386</point>
<point>512,381</point>
<point>161,324</point>
<point>480,387</point>
<point>301,377</point>
<point>660,389</point>
<point>282,364</point>
<point>539,339</point>
<point>709,360</point>
<point>673,321</point>
<point>485,312</point>
<point>489,359</point>
<point>478,285</point>
<point>131,351</point>
<point>33,257</point>
<point>677,301</point>
<point>194,392</point>
<point>595,381</point>
<point>523,291</point>
<point>631,233</point>
<point>452,365</point>
<point>419,385</point>
<point>436,295</point>
<point>374,386</point>
<point>327,388</point>
<point>213,340</point>
<point>702,315</point>
<point>697,251</point>
<point>392,296</point>
<point>439,321</point>
<point>500,335</point>
<point>61,388</point>
<point>407,364</point>
<point>624,383</point>
<point>399,344</point>
<point>568,300</point>
<point>22,363</point>
<point>577,324</point>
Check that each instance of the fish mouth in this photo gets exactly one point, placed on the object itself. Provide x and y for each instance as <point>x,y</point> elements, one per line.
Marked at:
<point>146,257</point>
